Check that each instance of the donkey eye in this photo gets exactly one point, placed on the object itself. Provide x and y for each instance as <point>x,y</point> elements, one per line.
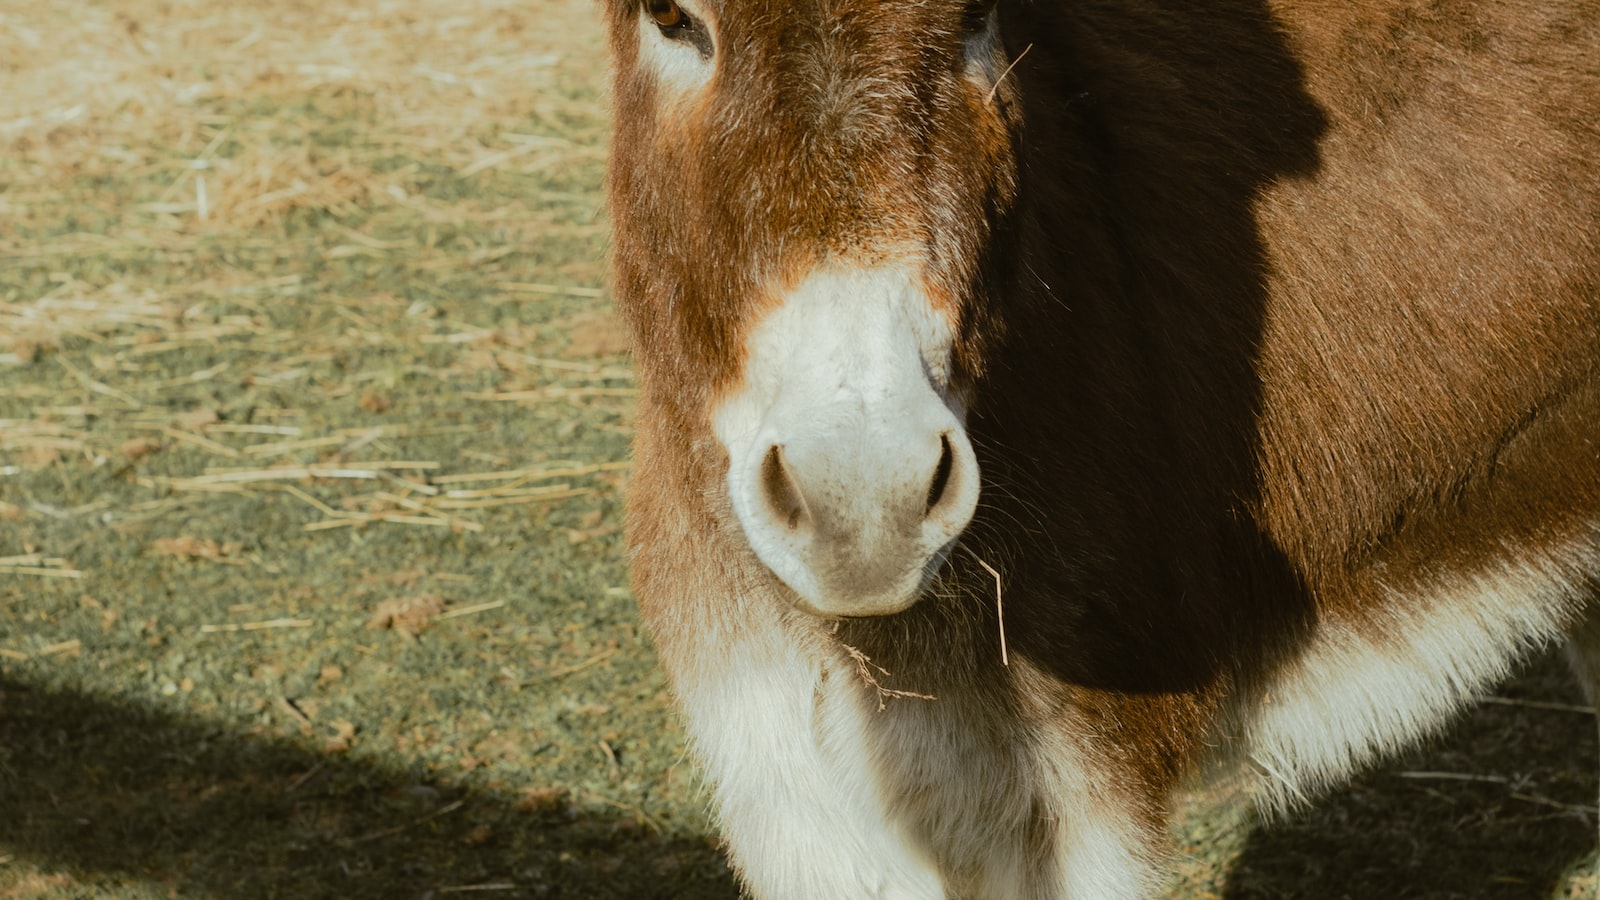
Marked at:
<point>667,14</point>
<point>677,25</point>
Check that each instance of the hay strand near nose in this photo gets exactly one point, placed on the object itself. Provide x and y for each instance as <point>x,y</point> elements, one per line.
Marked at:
<point>995,88</point>
<point>865,668</point>
<point>999,607</point>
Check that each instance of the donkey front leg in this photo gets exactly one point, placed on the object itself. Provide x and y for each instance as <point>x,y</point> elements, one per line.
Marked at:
<point>798,796</point>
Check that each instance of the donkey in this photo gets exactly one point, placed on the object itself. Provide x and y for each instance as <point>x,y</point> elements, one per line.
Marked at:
<point>1048,403</point>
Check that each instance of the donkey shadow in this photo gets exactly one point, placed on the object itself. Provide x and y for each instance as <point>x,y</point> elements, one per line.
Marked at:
<point>1502,806</point>
<point>101,791</point>
<point>106,792</point>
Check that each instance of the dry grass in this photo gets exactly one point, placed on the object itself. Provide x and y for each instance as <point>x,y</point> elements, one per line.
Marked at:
<point>303,327</point>
<point>147,129</point>
<point>143,137</point>
<point>174,93</point>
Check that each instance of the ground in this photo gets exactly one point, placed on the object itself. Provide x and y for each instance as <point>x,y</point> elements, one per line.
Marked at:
<point>314,424</point>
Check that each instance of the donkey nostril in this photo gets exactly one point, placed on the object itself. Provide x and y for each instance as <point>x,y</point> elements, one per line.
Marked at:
<point>782,494</point>
<point>941,473</point>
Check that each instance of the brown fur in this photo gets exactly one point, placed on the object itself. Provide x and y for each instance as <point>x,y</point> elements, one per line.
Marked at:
<point>1272,312</point>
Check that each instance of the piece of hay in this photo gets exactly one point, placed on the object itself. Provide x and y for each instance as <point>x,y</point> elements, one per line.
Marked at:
<point>344,735</point>
<point>199,418</point>
<point>35,456</point>
<point>374,402</point>
<point>139,448</point>
<point>407,615</point>
<point>598,335</point>
<point>187,547</point>
<point>544,800</point>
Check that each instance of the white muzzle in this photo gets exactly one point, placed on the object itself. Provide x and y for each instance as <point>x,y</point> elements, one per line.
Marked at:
<point>850,468</point>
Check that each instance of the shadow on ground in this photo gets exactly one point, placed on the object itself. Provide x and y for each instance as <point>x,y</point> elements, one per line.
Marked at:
<point>1501,807</point>
<point>104,789</point>
<point>112,793</point>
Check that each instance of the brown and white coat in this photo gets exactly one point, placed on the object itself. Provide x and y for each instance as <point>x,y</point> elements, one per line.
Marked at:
<point>1253,346</point>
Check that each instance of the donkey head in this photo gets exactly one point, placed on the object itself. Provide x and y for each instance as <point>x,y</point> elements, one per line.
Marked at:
<point>803,194</point>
